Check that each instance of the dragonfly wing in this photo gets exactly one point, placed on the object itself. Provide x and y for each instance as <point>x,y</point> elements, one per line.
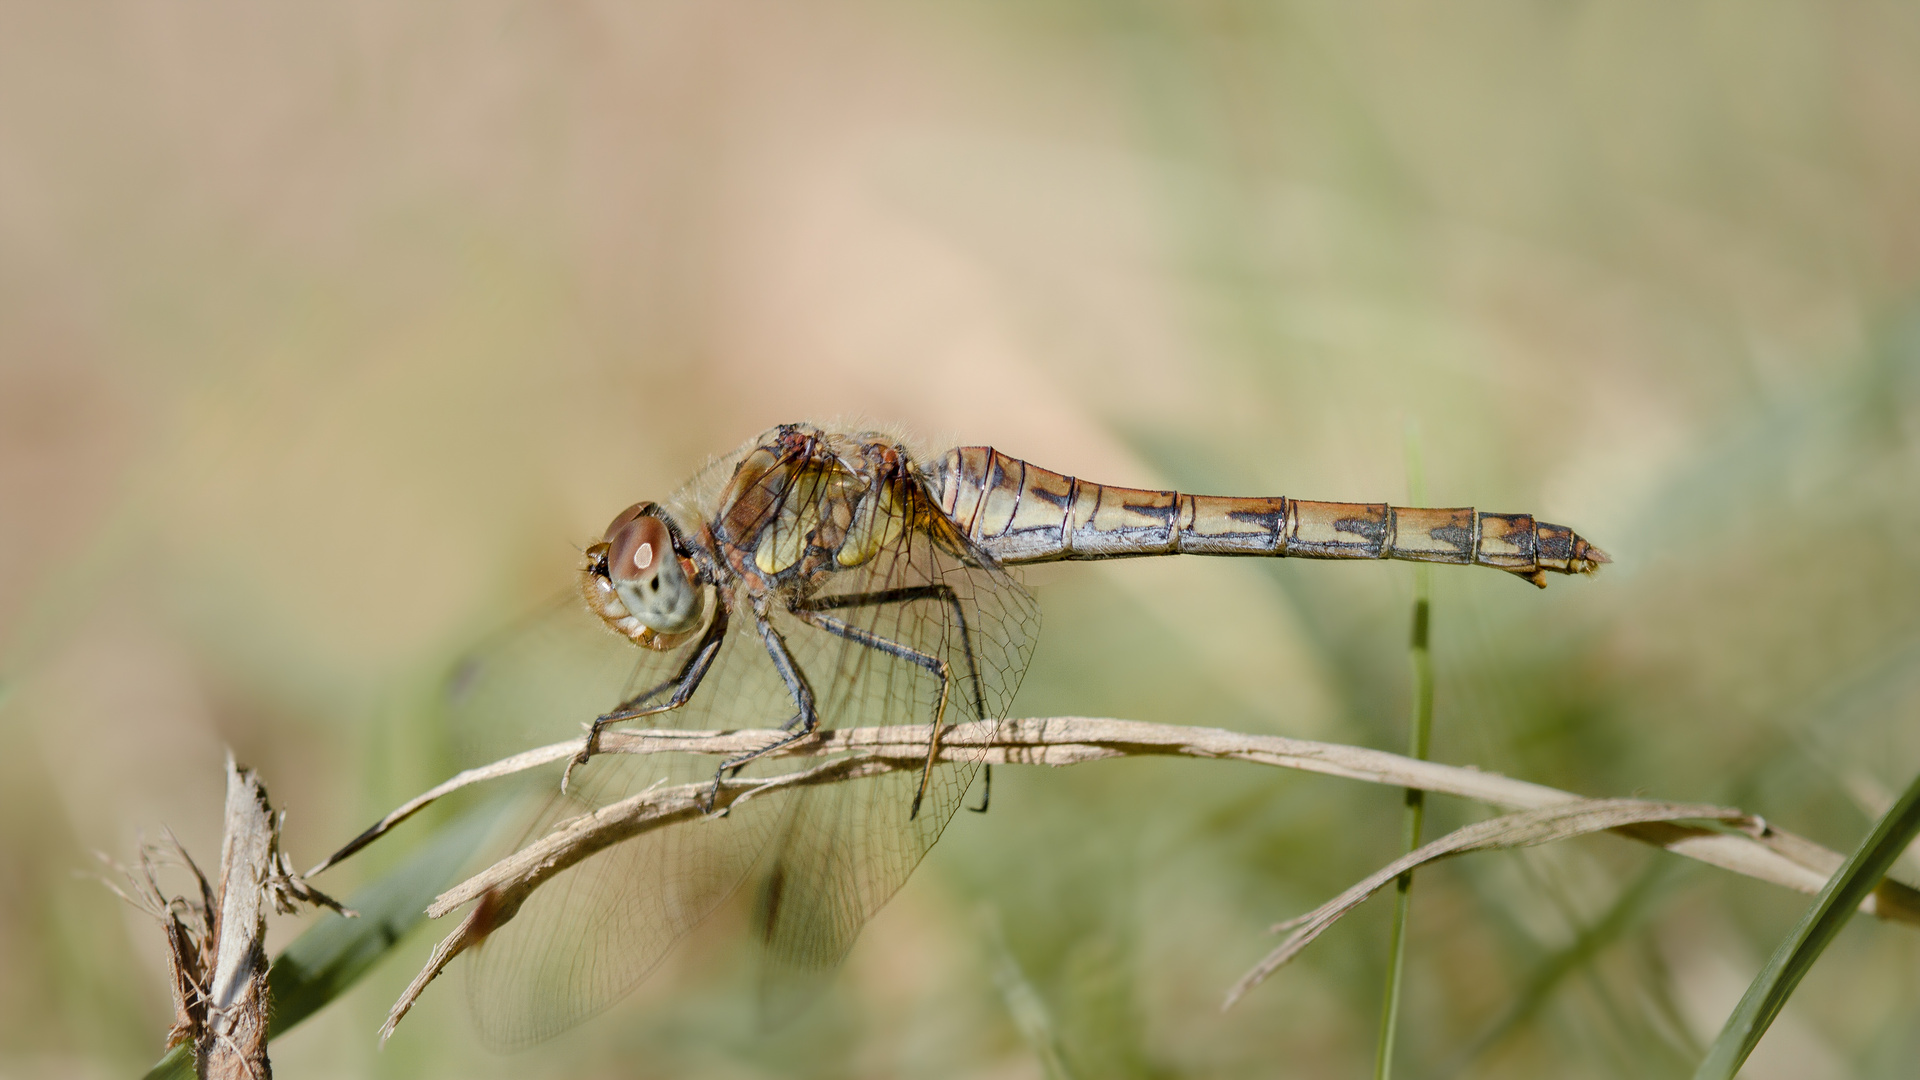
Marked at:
<point>849,846</point>
<point>924,627</point>
<point>588,936</point>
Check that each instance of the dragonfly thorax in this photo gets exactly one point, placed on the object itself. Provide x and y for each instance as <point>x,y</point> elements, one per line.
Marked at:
<point>640,583</point>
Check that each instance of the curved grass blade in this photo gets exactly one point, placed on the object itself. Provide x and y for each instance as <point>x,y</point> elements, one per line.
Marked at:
<point>331,956</point>
<point>1768,992</point>
<point>324,962</point>
<point>177,1064</point>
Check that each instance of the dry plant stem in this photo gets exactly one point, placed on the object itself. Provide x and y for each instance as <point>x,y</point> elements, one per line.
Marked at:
<point>233,1043</point>
<point>1523,829</point>
<point>520,762</point>
<point>186,923</point>
<point>216,956</point>
<point>1780,857</point>
<point>1770,855</point>
<point>504,886</point>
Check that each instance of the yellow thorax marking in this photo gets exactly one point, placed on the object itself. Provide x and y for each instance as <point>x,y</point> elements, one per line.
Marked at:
<point>878,522</point>
<point>816,508</point>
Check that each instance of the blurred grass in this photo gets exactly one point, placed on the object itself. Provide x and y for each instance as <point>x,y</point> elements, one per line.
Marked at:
<point>324,334</point>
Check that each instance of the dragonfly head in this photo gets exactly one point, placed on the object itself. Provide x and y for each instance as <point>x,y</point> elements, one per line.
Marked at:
<point>640,582</point>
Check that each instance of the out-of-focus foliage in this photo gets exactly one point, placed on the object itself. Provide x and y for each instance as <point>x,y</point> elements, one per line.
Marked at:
<point>326,332</point>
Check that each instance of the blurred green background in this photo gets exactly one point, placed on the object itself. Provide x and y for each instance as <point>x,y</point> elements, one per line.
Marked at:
<point>327,333</point>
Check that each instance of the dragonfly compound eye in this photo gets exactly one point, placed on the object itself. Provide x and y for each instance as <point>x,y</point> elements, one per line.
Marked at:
<point>648,576</point>
<point>625,518</point>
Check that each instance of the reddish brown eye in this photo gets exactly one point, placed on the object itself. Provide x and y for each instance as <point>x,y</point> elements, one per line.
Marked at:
<point>635,547</point>
<point>623,519</point>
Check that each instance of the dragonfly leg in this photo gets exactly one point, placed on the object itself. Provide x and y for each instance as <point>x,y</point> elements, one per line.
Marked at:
<point>684,684</point>
<point>874,641</point>
<point>905,595</point>
<point>806,717</point>
<point>986,789</point>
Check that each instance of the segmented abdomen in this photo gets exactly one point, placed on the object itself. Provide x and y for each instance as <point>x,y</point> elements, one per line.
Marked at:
<point>1021,513</point>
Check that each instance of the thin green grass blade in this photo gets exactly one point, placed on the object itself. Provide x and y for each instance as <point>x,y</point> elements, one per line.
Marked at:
<point>1419,738</point>
<point>1768,992</point>
<point>332,955</point>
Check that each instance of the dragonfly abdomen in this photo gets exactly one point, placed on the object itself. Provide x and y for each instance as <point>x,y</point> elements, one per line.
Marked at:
<point>1021,513</point>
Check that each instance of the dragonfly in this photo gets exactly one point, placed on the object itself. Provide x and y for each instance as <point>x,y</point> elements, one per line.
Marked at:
<point>817,580</point>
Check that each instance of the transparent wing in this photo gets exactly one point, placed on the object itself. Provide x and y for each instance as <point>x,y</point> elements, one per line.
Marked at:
<point>846,848</point>
<point>589,935</point>
<point>926,617</point>
<point>537,681</point>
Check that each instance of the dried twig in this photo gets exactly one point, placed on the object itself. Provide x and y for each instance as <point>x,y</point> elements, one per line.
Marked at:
<point>216,956</point>
<point>1522,829</point>
<point>1762,852</point>
<point>190,945</point>
<point>504,767</point>
<point>233,1042</point>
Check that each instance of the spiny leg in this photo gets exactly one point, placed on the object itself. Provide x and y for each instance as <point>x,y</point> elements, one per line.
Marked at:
<point>907,594</point>
<point>806,717</point>
<point>893,648</point>
<point>903,595</point>
<point>684,684</point>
